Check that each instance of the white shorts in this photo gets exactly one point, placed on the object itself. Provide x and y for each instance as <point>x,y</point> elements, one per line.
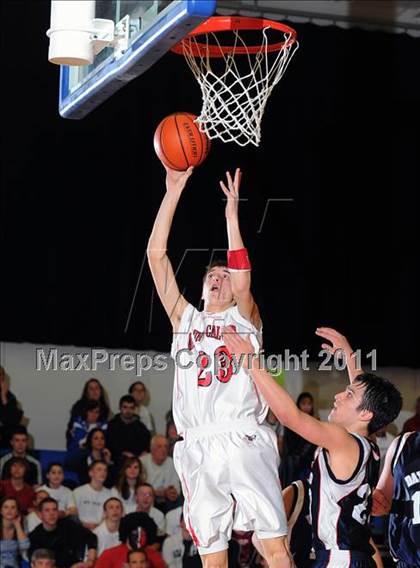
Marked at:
<point>229,476</point>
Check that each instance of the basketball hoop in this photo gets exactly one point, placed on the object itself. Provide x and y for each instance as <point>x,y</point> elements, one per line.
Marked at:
<point>236,79</point>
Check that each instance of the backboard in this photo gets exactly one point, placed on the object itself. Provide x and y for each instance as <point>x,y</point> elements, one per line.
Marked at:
<point>146,29</point>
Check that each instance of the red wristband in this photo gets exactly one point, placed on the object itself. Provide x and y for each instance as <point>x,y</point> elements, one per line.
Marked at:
<point>238,260</point>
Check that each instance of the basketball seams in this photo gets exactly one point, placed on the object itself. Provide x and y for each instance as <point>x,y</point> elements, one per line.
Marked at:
<point>200,135</point>
<point>181,141</point>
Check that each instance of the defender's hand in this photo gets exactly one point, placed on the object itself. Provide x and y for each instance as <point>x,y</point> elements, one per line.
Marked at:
<point>339,342</point>
<point>232,193</point>
<point>240,346</point>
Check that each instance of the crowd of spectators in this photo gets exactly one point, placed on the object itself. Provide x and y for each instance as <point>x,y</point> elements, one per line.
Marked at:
<point>125,509</point>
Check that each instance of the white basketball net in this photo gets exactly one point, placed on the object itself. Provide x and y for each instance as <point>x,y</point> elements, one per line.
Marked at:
<point>234,100</point>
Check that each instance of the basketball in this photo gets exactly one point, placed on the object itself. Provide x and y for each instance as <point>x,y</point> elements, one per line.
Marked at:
<point>179,143</point>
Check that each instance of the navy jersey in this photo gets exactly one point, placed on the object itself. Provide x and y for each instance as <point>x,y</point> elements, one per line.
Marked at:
<point>340,509</point>
<point>404,520</point>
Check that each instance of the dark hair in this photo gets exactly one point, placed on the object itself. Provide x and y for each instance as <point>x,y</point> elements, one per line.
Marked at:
<point>113,499</point>
<point>134,521</point>
<point>90,405</point>
<point>54,464</point>
<point>381,398</point>
<point>145,484</point>
<point>19,430</point>
<point>130,390</point>
<point>305,395</point>
<point>95,463</point>
<point>12,462</point>
<point>2,502</point>
<point>45,501</point>
<point>127,398</point>
<point>142,550</point>
<point>78,407</point>
<point>42,554</point>
<point>80,404</point>
<point>215,262</point>
<point>122,484</point>
<point>168,425</point>
<point>88,444</point>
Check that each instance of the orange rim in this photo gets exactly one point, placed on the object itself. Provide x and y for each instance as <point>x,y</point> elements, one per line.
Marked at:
<point>233,23</point>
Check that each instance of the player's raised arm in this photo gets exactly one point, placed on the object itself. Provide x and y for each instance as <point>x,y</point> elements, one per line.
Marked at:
<point>340,343</point>
<point>330,436</point>
<point>160,265</point>
<point>238,261</point>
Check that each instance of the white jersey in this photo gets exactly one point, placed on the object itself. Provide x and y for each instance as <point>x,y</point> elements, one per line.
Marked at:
<point>173,550</point>
<point>159,519</point>
<point>162,475</point>
<point>208,387</point>
<point>173,520</point>
<point>146,417</point>
<point>106,539</point>
<point>90,503</point>
<point>31,522</point>
<point>130,504</point>
<point>63,495</point>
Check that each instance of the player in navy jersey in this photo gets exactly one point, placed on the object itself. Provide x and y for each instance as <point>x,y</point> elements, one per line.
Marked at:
<point>346,465</point>
<point>398,493</point>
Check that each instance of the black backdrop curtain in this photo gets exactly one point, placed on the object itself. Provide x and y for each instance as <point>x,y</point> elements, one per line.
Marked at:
<point>339,136</point>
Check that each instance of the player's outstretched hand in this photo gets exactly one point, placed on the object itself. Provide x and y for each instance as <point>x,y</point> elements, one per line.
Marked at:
<point>239,346</point>
<point>338,341</point>
<point>231,190</point>
<point>175,180</point>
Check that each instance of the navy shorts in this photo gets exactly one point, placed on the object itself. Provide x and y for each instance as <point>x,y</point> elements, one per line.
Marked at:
<point>343,559</point>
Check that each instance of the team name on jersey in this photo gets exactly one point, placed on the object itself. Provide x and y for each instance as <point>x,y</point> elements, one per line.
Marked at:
<point>412,478</point>
<point>213,331</point>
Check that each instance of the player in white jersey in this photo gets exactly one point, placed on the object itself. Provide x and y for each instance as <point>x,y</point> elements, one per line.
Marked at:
<point>346,467</point>
<point>227,460</point>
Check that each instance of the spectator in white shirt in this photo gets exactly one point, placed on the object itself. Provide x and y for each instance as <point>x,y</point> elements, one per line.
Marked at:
<point>107,532</point>
<point>63,495</point>
<point>161,474</point>
<point>34,518</point>
<point>145,498</point>
<point>130,477</point>
<point>179,550</point>
<point>90,498</point>
<point>172,520</point>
